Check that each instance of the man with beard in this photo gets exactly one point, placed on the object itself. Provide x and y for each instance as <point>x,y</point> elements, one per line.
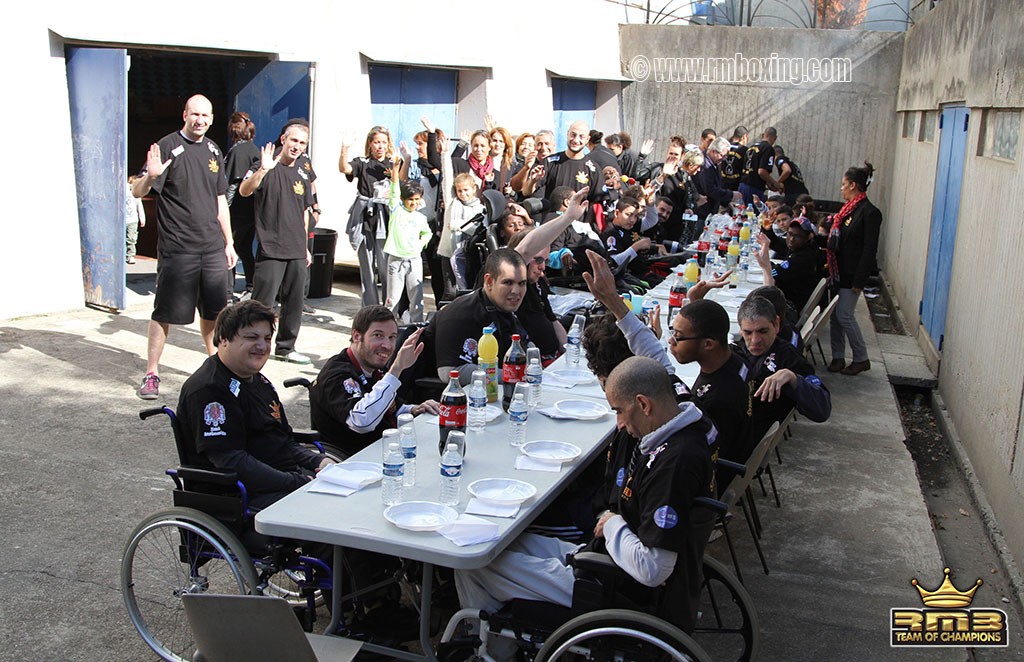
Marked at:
<point>572,168</point>
<point>353,400</point>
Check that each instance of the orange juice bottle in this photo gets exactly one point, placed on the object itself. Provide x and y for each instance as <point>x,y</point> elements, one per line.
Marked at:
<point>487,358</point>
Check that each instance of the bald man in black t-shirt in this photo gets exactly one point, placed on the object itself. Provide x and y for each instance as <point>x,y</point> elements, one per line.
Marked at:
<point>196,249</point>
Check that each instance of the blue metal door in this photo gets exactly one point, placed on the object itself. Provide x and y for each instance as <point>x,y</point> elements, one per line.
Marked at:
<point>400,96</point>
<point>572,100</point>
<point>945,211</point>
<point>272,92</point>
<point>98,95</point>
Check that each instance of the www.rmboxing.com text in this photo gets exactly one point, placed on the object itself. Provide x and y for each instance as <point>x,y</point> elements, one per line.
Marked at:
<point>739,69</point>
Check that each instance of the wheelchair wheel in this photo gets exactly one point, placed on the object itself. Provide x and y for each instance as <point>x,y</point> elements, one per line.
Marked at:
<point>727,623</point>
<point>172,553</point>
<point>287,584</point>
<point>614,635</point>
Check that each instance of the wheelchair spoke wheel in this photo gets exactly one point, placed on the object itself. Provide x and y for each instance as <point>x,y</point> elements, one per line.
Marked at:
<point>287,584</point>
<point>172,553</point>
<point>727,623</point>
<point>619,635</point>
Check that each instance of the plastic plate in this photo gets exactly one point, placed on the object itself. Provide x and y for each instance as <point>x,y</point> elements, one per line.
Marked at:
<point>502,491</point>
<point>420,515</point>
<point>574,376</point>
<point>554,452</point>
<point>582,409</point>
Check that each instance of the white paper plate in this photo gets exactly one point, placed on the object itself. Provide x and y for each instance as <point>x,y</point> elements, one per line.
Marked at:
<point>420,515</point>
<point>554,452</point>
<point>582,409</point>
<point>574,376</point>
<point>501,491</point>
<point>492,412</point>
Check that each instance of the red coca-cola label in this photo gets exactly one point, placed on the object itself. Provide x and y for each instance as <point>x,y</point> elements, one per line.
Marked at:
<point>452,416</point>
<point>723,246</point>
<point>703,245</point>
<point>675,298</point>
<point>512,373</point>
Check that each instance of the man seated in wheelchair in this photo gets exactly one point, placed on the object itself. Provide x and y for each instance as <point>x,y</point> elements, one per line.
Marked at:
<point>654,534</point>
<point>233,414</point>
<point>356,395</point>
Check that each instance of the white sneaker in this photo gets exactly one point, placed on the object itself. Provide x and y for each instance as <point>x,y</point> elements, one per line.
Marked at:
<point>294,357</point>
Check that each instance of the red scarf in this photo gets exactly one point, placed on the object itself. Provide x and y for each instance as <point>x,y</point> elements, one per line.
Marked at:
<point>834,235</point>
<point>481,168</point>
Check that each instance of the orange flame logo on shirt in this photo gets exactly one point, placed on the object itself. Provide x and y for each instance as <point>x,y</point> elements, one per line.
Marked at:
<point>298,188</point>
<point>214,166</point>
<point>275,410</point>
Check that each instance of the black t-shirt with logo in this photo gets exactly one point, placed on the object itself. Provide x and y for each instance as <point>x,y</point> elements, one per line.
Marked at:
<point>794,184</point>
<point>281,202</point>
<point>725,397</point>
<point>560,170</point>
<point>761,155</point>
<point>366,172</point>
<point>187,196</point>
<point>221,412</point>
<point>732,166</point>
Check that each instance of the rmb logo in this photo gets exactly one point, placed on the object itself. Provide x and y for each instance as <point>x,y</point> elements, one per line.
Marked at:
<point>948,619</point>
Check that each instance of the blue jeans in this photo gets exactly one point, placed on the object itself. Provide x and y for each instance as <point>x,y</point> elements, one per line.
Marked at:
<point>844,325</point>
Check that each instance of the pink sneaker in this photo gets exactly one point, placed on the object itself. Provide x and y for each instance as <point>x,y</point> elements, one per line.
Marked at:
<point>150,388</point>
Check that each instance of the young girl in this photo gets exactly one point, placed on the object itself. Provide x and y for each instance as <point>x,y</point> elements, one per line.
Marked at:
<point>408,234</point>
<point>458,210</point>
<point>368,216</point>
<point>135,218</point>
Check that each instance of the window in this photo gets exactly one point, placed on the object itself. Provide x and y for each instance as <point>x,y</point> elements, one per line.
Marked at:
<point>910,124</point>
<point>929,119</point>
<point>1000,133</point>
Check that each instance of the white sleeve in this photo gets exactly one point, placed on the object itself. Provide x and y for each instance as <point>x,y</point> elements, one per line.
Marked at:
<point>643,342</point>
<point>370,409</point>
<point>650,218</point>
<point>651,566</point>
<point>625,256</point>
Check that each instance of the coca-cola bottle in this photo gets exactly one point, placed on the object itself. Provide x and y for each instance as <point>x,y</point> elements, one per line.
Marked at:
<point>454,409</point>
<point>676,293</point>
<point>513,370</point>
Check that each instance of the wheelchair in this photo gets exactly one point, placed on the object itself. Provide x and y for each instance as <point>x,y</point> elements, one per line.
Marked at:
<point>206,543</point>
<point>604,625</point>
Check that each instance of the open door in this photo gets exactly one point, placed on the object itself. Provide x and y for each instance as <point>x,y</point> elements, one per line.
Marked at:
<point>945,213</point>
<point>272,92</point>
<point>98,95</point>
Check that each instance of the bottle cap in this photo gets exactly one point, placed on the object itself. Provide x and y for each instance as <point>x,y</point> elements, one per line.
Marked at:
<point>453,374</point>
<point>515,337</point>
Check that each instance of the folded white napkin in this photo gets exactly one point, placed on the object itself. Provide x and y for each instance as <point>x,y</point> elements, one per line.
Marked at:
<point>469,530</point>
<point>478,507</point>
<point>527,463</point>
<point>343,480</point>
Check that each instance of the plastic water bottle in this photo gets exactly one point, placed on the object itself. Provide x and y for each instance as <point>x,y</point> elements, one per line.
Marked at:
<point>391,486</point>
<point>407,442</point>
<point>573,345</point>
<point>451,475</point>
<point>518,412</point>
<point>534,377</point>
<point>478,401</point>
<point>649,305</point>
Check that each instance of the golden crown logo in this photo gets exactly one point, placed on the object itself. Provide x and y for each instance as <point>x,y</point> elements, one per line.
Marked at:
<point>298,188</point>
<point>946,596</point>
<point>214,166</point>
<point>581,177</point>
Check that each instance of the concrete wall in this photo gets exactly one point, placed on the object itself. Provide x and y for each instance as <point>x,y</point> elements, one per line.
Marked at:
<point>969,52</point>
<point>824,127</point>
<point>40,263</point>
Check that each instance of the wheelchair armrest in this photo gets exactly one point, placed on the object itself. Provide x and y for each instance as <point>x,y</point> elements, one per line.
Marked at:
<point>732,467</point>
<point>600,564</point>
<point>297,381</point>
<point>306,436</point>
<point>216,476</point>
<point>718,507</point>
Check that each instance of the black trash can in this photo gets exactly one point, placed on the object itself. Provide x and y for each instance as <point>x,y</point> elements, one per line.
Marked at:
<point>321,272</point>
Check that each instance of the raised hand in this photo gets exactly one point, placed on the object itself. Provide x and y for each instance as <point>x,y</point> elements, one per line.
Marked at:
<point>577,203</point>
<point>267,160</point>
<point>427,124</point>
<point>489,123</point>
<point>403,148</point>
<point>154,165</point>
<point>646,146</point>
<point>671,166</point>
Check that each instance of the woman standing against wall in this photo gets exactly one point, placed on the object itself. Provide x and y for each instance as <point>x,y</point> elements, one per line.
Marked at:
<point>852,244</point>
<point>242,156</point>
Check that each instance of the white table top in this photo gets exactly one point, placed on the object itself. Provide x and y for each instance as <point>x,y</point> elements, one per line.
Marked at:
<point>357,521</point>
